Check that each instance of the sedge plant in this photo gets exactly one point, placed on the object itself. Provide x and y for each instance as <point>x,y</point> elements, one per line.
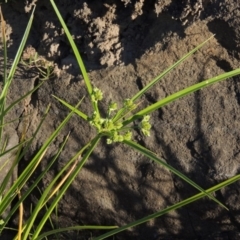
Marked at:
<point>117,127</point>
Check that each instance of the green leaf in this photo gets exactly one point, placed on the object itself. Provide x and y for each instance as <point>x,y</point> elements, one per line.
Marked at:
<point>160,76</point>
<point>155,80</point>
<point>8,79</point>
<point>55,231</point>
<point>171,208</point>
<point>79,113</point>
<point>152,156</point>
<point>31,188</point>
<point>22,97</point>
<point>65,186</point>
<point>35,161</point>
<point>74,48</point>
<point>181,94</point>
<point>4,41</point>
<point>30,168</point>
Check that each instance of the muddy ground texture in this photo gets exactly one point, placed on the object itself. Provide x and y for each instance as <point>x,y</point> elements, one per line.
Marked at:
<point>124,45</point>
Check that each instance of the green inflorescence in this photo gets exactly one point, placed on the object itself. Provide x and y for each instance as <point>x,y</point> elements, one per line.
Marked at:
<point>114,130</point>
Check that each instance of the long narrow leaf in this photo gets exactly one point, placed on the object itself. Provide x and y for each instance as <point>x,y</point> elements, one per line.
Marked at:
<point>29,141</point>
<point>44,197</point>
<point>30,189</point>
<point>171,208</point>
<point>61,192</point>
<point>155,80</point>
<point>4,41</point>
<point>44,235</point>
<point>160,76</point>
<point>28,170</point>
<point>74,48</point>
<point>22,97</point>
<point>152,156</point>
<point>180,94</point>
<point>3,98</point>
<point>79,113</point>
<point>9,196</point>
<point>8,79</point>
<point>10,149</point>
<point>21,46</point>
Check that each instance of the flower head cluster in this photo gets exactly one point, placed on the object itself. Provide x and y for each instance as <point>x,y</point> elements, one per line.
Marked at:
<point>145,125</point>
<point>117,137</point>
<point>112,107</point>
<point>114,129</point>
<point>111,129</point>
<point>104,124</point>
<point>97,95</point>
<point>129,105</point>
<point>96,121</point>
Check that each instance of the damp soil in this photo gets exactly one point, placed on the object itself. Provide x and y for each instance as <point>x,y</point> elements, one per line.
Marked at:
<point>125,44</point>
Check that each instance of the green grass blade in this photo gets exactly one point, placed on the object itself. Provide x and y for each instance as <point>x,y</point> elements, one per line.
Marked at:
<point>152,156</point>
<point>171,208</point>
<point>159,77</point>
<point>4,42</point>
<point>180,94</point>
<point>56,231</point>
<point>79,113</point>
<point>10,149</point>
<point>8,79</point>
<point>21,46</point>
<point>19,183</point>
<point>62,191</point>
<point>74,48</point>
<point>22,97</point>
<point>155,80</point>
<point>14,120</point>
<point>30,189</point>
<point>29,141</point>
<point>42,201</point>
<point>12,192</point>
<point>45,195</point>
<point>9,174</point>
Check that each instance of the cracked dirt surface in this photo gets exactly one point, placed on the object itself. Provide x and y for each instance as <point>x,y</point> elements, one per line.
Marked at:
<point>124,45</point>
